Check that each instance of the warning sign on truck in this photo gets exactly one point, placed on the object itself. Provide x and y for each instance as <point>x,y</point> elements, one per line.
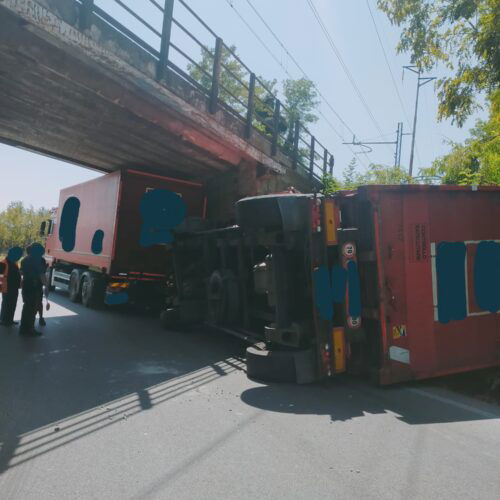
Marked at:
<point>398,331</point>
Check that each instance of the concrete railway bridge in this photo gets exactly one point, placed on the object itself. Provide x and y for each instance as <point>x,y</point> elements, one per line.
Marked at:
<point>78,85</point>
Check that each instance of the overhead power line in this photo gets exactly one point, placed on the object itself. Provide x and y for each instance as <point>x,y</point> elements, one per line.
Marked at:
<point>325,100</point>
<point>301,69</point>
<point>230,3</point>
<point>346,70</point>
<point>337,133</point>
<point>387,63</point>
<point>401,102</point>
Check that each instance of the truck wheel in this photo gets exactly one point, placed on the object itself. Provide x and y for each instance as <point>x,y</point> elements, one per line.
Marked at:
<point>92,290</point>
<point>75,292</point>
<point>287,212</point>
<point>270,366</point>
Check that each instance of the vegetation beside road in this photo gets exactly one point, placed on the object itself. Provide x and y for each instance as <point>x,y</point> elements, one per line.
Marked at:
<point>20,226</point>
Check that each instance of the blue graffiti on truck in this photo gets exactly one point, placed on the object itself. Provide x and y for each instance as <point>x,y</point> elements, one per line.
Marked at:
<point>451,284</point>
<point>69,219</point>
<point>487,276</point>
<point>330,288</point>
<point>161,211</point>
<point>96,245</point>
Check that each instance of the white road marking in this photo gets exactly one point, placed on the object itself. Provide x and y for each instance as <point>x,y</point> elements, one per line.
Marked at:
<point>452,402</point>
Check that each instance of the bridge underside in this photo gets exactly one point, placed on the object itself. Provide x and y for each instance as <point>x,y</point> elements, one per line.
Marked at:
<point>56,103</point>
<point>91,98</point>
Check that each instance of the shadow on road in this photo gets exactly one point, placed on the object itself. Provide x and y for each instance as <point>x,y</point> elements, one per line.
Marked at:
<point>92,369</point>
<point>346,398</point>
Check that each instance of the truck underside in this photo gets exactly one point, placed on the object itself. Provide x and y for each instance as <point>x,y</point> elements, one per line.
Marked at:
<point>256,280</point>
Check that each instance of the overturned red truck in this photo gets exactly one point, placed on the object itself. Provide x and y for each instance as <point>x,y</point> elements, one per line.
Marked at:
<point>398,282</point>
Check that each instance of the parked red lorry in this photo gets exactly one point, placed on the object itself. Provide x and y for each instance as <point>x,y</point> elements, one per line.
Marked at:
<point>97,243</point>
<point>399,282</point>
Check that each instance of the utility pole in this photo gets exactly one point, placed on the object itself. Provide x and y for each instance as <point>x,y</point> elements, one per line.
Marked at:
<point>421,81</point>
<point>398,142</point>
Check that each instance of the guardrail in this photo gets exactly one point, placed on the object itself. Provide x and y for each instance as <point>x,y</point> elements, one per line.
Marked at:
<point>225,80</point>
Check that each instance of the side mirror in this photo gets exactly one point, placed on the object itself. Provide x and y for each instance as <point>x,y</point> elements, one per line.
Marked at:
<point>42,228</point>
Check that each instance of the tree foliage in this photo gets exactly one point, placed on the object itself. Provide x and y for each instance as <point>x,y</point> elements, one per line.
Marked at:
<point>477,160</point>
<point>375,174</point>
<point>462,34</point>
<point>301,99</point>
<point>232,91</point>
<point>20,226</point>
<point>299,96</point>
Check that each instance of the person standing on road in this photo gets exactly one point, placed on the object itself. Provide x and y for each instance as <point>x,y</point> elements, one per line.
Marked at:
<point>10,282</point>
<point>42,292</point>
<point>33,280</point>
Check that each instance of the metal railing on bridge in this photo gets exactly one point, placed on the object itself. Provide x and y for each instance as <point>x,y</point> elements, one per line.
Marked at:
<point>221,75</point>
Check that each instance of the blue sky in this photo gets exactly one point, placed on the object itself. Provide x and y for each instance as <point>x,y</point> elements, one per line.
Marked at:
<point>36,179</point>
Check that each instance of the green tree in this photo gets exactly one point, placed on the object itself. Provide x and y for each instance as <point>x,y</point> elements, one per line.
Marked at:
<point>330,184</point>
<point>232,91</point>
<point>19,225</point>
<point>477,160</point>
<point>301,99</point>
<point>375,174</point>
<point>383,174</point>
<point>299,96</point>
<point>350,177</point>
<point>464,35</point>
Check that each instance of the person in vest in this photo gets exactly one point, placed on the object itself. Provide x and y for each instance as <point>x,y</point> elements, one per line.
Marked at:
<point>10,282</point>
<point>33,280</point>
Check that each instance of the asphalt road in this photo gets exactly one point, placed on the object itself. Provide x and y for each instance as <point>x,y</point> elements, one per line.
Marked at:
<point>107,405</point>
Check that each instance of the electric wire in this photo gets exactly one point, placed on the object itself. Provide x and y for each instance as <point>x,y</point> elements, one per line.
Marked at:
<point>275,58</point>
<point>391,73</point>
<point>299,66</point>
<point>346,70</point>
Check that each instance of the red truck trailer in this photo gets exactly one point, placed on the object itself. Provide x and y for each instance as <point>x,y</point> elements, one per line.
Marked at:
<point>107,240</point>
<point>399,282</point>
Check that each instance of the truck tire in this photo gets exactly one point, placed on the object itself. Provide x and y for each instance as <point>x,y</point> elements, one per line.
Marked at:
<point>75,290</point>
<point>284,212</point>
<point>92,290</point>
<point>270,366</point>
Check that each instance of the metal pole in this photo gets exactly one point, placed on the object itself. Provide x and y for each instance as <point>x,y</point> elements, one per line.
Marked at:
<point>251,106</point>
<point>214,94</point>
<point>412,152</point>
<point>311,159</point>
<point>421,81</point>
<point>276,123</point>
<point>85,18</point>
<point>400,142</point>
<point>397,147</point>
<point>166,32</point>
<point>296,144</point>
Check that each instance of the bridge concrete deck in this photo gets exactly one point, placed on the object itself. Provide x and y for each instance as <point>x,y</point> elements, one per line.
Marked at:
<point>92,98</point>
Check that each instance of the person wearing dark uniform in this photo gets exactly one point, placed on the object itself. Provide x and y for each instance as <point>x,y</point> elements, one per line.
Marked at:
<point>41,319</point>
<point>33,279</point>
<point>10,282</point>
